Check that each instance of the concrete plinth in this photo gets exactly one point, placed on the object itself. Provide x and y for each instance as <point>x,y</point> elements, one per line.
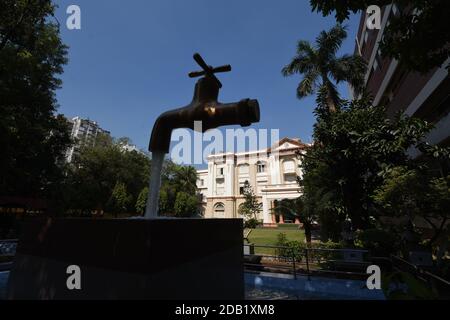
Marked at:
<point>130,259</point>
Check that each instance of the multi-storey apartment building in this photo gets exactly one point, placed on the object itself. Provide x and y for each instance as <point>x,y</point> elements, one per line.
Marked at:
<point>84,132</point>
<point>423,95</point>
<point>271,172</point>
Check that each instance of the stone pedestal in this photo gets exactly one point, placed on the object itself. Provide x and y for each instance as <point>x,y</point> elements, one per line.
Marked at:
<point>130,259</point>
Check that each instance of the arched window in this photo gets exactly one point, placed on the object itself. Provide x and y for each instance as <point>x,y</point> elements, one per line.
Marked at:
<point>240,214</point>
<point>260,167</point>
<point>243,168</point>
<point>289,166</point>
<point>219,210</point>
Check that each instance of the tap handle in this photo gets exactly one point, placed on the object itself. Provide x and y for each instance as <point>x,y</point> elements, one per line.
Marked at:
<point>198,58</point>
<point>196,74</point>
<point>225,68</point>
<point>208,70</point>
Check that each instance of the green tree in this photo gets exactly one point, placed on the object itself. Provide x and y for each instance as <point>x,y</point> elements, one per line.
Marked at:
<point>185,178</point>
<point>320,67</point>
<point>141,201</point>
<point>94,172</point>
<point>119,200</point>
<point>186,205</point>
<point>176,179</point>
<point>415,194</point>
<point>358,146</point>
<point>32,138</point>
<point>251,207</point>
<point>295,208</point>
<point>419,37</point>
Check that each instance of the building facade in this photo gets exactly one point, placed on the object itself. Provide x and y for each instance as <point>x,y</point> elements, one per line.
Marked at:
<point>422,95</point>
<point>272,174</point>
<point>83,132</point>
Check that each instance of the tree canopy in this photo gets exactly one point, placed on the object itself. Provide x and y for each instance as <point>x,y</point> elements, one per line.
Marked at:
<point>320,62</point>
<point>251,207</point>
<point>33,138</point>
<point>105,177</point>
<point>359,147</point>
<point>419,36</point>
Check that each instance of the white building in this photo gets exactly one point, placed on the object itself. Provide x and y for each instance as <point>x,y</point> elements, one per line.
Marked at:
<point>271,172</point>
<point>132,148</point>
<point>83,132</point>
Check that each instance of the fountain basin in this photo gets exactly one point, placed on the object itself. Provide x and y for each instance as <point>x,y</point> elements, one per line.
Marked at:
<point>129,259</point>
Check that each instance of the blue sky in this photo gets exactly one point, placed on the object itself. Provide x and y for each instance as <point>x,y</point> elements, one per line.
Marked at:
<point>130,60</point>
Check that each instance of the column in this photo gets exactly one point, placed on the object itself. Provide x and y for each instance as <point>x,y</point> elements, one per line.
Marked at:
<point>266,210</point>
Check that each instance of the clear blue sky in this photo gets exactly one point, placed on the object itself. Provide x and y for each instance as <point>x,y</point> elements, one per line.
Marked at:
<point>130,60</point>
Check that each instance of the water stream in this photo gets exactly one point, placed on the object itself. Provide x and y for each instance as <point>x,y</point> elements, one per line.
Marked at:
<point>151,210</point>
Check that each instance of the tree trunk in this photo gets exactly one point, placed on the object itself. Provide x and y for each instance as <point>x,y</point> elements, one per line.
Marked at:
<point>307,227</point>
<point>331,105</point>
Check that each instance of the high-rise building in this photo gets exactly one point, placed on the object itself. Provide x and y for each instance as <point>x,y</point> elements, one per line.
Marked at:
<point>132,148</point>
<point>83,132</point>
<point>422,95</point>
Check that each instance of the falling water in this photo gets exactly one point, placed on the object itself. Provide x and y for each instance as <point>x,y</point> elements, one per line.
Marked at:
<point>151,210</point>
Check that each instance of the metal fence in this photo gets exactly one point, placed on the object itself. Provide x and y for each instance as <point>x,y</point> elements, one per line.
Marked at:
<point>437,283</point>
<point>336,263</point>
<point>308,261</point>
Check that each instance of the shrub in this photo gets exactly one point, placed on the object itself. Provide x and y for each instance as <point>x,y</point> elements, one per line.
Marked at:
<point>326,255</point>
<point>251,223</point>
<point>186,205</point>
<point>290,249</point>
<point>378,242</point>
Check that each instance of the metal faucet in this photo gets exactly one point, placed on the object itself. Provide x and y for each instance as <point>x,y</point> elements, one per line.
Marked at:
<point>204,107</point>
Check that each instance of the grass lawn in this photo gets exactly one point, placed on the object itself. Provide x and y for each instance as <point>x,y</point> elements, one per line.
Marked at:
<point>268,236</point>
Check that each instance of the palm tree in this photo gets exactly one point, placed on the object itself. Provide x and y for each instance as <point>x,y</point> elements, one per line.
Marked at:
<point>186,179</point>
<point>296,208</point>
<point>320,62</point>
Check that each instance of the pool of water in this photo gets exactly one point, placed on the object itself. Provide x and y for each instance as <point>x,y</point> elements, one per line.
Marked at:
<point>3,282</point>
<point>270,286</point>
<point>282,287</point>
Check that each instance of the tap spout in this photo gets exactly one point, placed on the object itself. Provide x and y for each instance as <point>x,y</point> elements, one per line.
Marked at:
<point>205,108</point>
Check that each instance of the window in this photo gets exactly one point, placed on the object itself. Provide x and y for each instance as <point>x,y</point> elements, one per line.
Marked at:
<point>220,171</point>
<point>243,169</point>
<point>289,166</point>
<point>201,182</point>
<point>219,210</point>
<point>241,190</point>
<point>220,187</point>
<point>290,178</point>
<point>260,167</point>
